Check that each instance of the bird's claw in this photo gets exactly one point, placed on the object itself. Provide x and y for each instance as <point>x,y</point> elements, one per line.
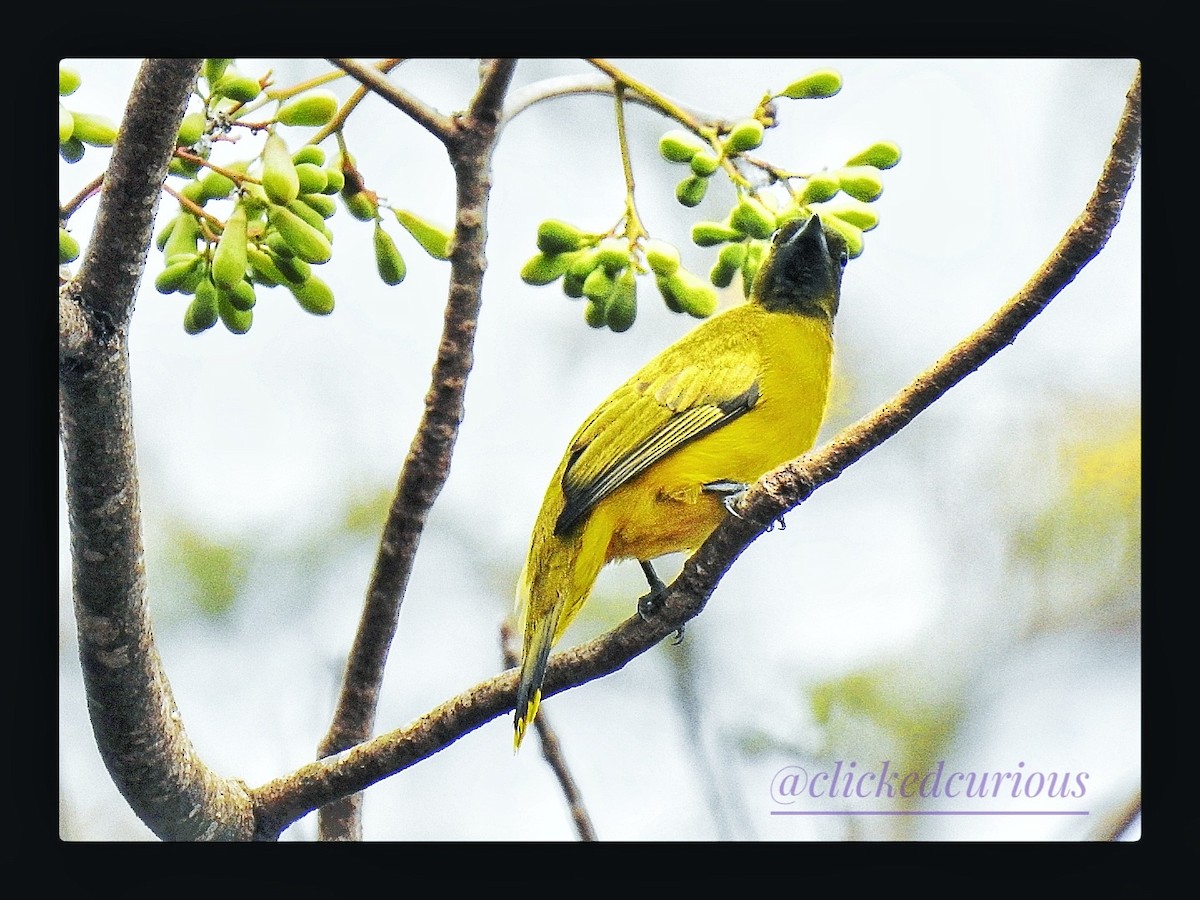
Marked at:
<point>731,493</point>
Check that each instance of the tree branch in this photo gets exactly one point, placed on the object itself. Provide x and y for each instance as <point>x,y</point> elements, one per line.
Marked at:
<point>440,126</point>
<point>428,463</point>
<point>285,800</point>
<point>137,728</point>
<point>586,83</point>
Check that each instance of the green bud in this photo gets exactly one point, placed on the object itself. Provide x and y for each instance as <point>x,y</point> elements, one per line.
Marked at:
<point>335,180</point>
<point>160,239</point>
<point>68,247</point>
<point>71,150</point>
<point>191,129</point>
<point>312,178</point>
<point>695,297</point>
<point>613,254</point>
<point>852,235</point>
<point>307,242</point>
<point>621,308</point>
<point>214,69</point>
<point>554,236</point>
<point>293,271</point>
<point>314,296</point>
<point>184,168</point>
<point>241,296</point>
<point>819,188</point>
<point>543,268</point>
<point>322,204</point>
<point>861,182</point>
<point>745,135</point>
<point>215,186</point>
<point>66,124</point>
<point>691,190</point>
<point>709,234</point>
<point>663,258</point>
<point>263,268</point>
<point>309,153</point>
<point>310,215</point>
<point>433,240</point>
<point>229,259</point>
<point>312,109</point>
<point>595,313</point>
<point>751,218</point>
<point>99,131</point>
<point>201,313</point>
<point>704,163</point>
<point>728,264</point>
<point>388,260</point>
<point>582,262</point>
<point>68,81</point>
<point>181,241</point>
<point>860,215</point>
<point>882,155</point>
<point>598,285</point>
<point>362,205</point>
<point>680,146</point>
<point>175,275</point>
<point>238,321</point>
<point>237,87</point>
<point>822,83</point>
<point>279,177</point>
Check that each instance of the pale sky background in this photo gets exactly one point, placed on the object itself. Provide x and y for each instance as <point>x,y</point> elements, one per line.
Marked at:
<point>904,565</point>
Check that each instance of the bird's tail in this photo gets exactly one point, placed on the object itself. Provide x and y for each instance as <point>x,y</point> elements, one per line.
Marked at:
<point>538,637</point>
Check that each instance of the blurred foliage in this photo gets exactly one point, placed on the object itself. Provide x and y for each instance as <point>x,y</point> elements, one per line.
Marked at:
<point>212,572</point>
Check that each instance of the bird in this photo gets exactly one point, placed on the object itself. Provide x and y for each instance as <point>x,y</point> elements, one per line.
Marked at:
<point>660,463</point>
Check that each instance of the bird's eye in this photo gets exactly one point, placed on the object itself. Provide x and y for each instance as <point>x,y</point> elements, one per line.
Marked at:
<point>843,258</point>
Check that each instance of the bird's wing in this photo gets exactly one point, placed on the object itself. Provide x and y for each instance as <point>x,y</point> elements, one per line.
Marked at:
<point>652,415</point>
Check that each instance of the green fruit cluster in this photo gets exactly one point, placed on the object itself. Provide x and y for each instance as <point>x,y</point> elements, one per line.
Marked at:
<point>79,130</point>
<point>704,158</point>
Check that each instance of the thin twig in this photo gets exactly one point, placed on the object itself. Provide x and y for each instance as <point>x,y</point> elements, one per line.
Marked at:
<point>523,98</point>
<point>440,126</point>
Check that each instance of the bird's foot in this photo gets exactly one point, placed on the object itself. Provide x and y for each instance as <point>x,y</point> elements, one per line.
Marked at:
<point>731,492</point>
<point>651,602</point>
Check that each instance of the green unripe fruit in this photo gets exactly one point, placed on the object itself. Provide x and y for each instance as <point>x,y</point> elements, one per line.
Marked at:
<point>175,275</point>
<point>679,146</point>
<point>612,254</point>
<point>433,240</point>
<point>362,205</point>
<point>746,135</point>
<point>237,87</point>
<point>306,242</point>
<point>596,313</point>
<point>311,109</point>
<point>309,153</point>
<point>819,188</point>
<point>573,284</point>
<point>68,247</point>
<point>314,296</point>
<point>388,260</point>
<point>694,297</point>
<point>201,313</point>
<point>598,284</point>
<point>709,234</point>
<point>322,204</point>
<point>181,241</point>
<point>215,186</point>
<point>861,182</point>
<point>621,309</point>
<point>861,217</point>
<point>160,239</point>
<point>691,190</point>
<point>263,268</point>
<point>704,163</point>
<point>66,124</point>
<point>882,155</point>
<point>278,245</point>
<point>661,257</point>
<point>312,178</point>
<point>544,268</point>
<point>193,191</point>
<point>293,270</point>
<point>822,83</point>
<point>184,168</point>
<point>229,259</point>
<point>728,264</point>
<point>99,131</point>
<point>582,262</point>
<point>214,69</point>
<point>554,236</point>
<point>721,276</point>
<point>238,321</point>
<point>191,129</point>
<point>663,283</point>
<point>279,177</point>
<point>852,235</point>
<point>71,150</point>
<point>241,296</point>
<point>751,218</point>
<point>310,215</point>
<point>68,81</point>
<point>335,180</point>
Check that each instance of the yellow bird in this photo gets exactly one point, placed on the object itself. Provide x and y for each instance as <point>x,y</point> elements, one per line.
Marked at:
<point>655,468</point>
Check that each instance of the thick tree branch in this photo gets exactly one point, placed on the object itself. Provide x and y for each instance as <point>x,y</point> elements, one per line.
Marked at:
<point>428,463</point>
<point>285,800</point>
<point>138,730</point>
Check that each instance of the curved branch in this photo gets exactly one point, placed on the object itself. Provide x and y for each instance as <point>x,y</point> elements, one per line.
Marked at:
<point>287,799</point>
<point>588,83</point>
<point>440,126</point>
<point>428,464</point>
<point>137,728</point>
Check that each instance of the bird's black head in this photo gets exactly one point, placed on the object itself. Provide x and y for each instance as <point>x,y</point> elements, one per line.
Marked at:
<point>802,272</point>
